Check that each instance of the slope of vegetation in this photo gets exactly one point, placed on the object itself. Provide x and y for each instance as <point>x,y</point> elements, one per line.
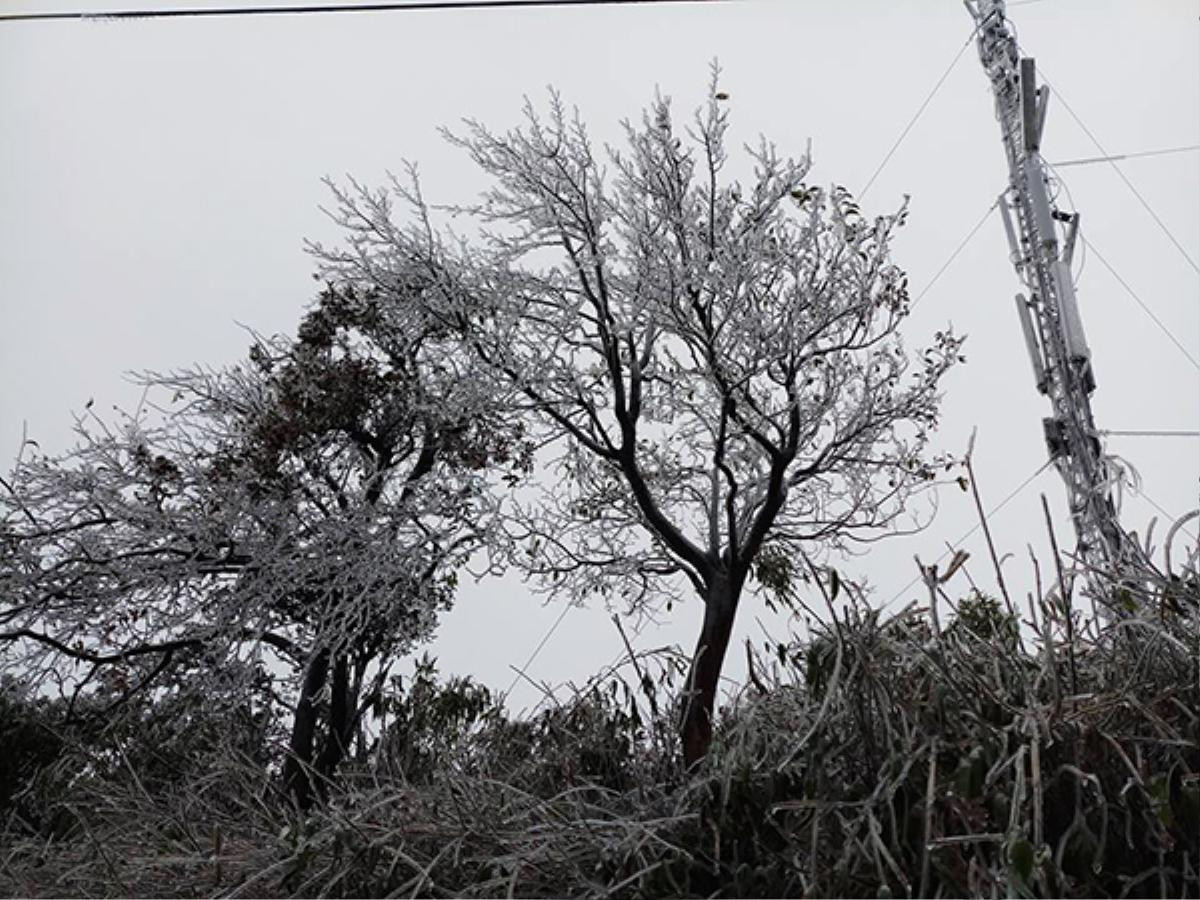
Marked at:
<point>874,759</point>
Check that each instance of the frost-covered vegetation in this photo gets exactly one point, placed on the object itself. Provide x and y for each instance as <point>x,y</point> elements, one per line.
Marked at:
<point>871,760</point>
<point>638,379</point>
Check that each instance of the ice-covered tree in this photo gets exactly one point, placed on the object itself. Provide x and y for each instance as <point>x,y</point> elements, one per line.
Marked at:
<point>716,361</point>
<point>314,501</point>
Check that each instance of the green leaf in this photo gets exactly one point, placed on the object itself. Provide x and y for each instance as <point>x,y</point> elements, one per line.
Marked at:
<point>1185,804</point>
<point>835,584</point>
<point>1020,860</point>
<point>1159,790</point>
<point>1125,599</point>
<point>968,778</point>
<point>962,779</point>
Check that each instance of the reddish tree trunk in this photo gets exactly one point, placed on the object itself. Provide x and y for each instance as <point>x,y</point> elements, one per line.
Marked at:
<point>720,605</point>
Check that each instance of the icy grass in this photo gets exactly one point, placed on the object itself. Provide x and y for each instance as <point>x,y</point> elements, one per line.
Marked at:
<point>874,760</point>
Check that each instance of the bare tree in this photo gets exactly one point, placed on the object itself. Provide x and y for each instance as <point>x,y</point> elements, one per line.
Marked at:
<point>315,501</point>
<point>720,363</point>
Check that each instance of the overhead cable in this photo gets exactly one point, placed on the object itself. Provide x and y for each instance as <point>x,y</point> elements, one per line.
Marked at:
<point>1097,159</point>
<point>322,9</point>
<point>1138,432</point>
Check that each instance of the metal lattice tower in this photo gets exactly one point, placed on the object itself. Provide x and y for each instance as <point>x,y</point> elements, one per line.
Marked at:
<point>1042,241</point>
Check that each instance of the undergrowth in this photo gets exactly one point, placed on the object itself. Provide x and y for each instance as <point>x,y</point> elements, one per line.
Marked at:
<point>875,758</point>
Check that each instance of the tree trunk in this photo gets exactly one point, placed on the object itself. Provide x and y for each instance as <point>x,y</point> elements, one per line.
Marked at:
<point>340,723</point>
<point>720,604</point>
<point>297,768</point>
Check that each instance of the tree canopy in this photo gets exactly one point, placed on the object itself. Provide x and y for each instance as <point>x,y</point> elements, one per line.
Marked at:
<point>315,500</point>
<point>717,365</point>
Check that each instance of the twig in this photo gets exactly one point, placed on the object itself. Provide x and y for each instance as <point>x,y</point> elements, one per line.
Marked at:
<point>990,837</point>
<point>646,684</point>
<point>754,679</point>
<point>1035,765</point>
<point>930,793</point>
<point>1064,595</point>
<point>830,690</point>
<point>987,532</point>
<point>930,578</point>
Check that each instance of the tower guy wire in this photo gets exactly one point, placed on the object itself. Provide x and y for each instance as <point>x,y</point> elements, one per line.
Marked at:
<point>974,528</point>
<point>1139,301</point>
<point>1171,517</point>
<point>1111,160</point>
<point>1087,161</point>
<point>537,650</point>
<point>915,116</point>
<point>1146,432</point>
<point>953,256</point>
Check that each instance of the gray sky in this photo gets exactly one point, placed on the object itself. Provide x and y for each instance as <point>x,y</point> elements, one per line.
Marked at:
<point>157,178</point>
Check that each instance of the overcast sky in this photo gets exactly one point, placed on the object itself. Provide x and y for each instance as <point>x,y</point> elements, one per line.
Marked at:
<point>157,178</point>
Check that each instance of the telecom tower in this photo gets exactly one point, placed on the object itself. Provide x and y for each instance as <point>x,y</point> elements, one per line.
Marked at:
<point>1042,241</point>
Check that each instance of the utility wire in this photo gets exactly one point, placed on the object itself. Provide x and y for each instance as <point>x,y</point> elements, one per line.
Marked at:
<point>953,256</point>
<point>323,8</point>
<point>1146,309</point>
<point>538,649</point>
<point>1095,159</point>
<point>1137,432</point>
<point>986,518</point>
<point>1170,516</point>
<point>1129,184</point>
<point>917,115</point>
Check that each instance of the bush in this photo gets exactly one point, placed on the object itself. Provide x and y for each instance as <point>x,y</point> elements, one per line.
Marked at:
<point>31,743</point>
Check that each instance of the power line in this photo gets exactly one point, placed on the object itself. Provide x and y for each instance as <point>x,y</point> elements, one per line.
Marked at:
<point>916,115</point>
<point>1095,159</point>
<point>1129,184</point>
<point>1138,432</point>
<point>986,518</point>
<point>957,250</point>
<point>324,8</point>
<point>1146,309</point>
